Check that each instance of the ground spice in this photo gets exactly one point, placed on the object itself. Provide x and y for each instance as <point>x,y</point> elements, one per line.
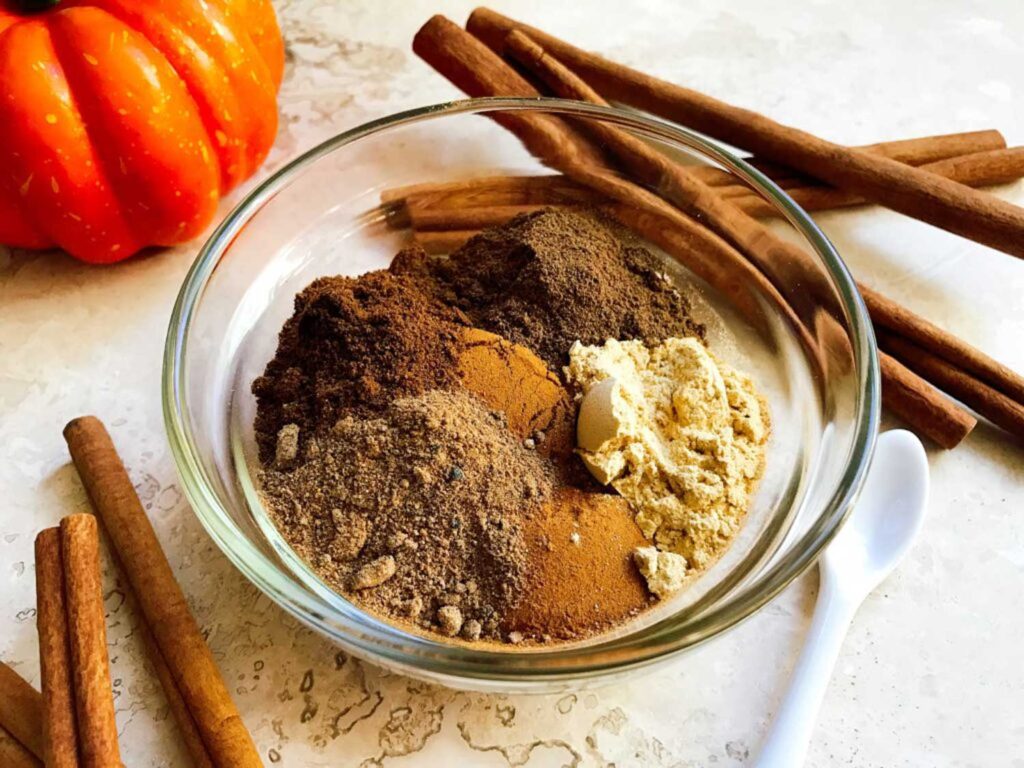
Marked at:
<point>682,437</point>
<point>425,467</point>
<point>417,512</point>
<point>581,579</point>
<point>553,277</point>
<point>513,380</point>
<point>353,343</point>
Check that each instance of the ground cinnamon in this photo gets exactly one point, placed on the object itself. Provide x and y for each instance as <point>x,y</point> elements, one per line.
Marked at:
<point>581,579</point>
<point>511,379</point>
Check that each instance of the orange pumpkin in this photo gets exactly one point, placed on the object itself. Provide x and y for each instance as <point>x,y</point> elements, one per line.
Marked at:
<point>122,122</point>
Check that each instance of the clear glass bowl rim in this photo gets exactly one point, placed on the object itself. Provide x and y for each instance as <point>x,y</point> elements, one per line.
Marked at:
<point>388,644</point>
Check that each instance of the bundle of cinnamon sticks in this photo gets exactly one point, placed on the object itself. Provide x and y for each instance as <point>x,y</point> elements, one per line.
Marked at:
<point>71,723</point>
<point>711,222</point>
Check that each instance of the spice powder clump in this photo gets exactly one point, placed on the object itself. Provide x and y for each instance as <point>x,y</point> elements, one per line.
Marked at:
<point>353,343</point>
<point>418,511</point>
<point>551,278</point>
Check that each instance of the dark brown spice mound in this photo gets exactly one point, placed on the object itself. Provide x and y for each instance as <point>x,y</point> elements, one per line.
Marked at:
<point>354,343</point>
<point>550,278</point>
<point>417,512</point>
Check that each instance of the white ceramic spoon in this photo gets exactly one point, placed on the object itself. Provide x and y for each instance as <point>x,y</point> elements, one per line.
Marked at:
<point>875,537</point>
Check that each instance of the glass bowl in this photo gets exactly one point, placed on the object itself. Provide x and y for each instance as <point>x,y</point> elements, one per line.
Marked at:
<point>322,214</point>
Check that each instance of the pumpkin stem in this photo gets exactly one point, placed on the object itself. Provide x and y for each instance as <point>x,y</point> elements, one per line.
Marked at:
<point>34,6</point>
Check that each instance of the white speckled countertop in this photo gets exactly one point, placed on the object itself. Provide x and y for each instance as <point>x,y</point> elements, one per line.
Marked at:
<point>932,672</point>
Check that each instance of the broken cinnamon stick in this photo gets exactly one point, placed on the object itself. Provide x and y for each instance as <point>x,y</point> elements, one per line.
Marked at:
<point>983,399</point>
<point>87,633</point>
<point>21,710</point>
<point>490,191</point>
<point>919,404</point>
<point>162,602</point>
<point>938,201</point>
<point>929,149</point>
<point>60,729</point>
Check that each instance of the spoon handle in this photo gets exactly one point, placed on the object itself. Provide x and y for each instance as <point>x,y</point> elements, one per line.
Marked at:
<point>790,732</point>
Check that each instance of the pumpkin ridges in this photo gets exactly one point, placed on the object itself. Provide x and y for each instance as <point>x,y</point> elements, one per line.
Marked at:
<point>47,162</point>
<point>112,213</point>
<point>237,104</point>
<point>265,32</point>
<point>142,122</point>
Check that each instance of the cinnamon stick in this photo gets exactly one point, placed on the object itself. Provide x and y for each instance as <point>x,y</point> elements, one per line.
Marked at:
<point>941,202</point>
<point>162,602</point>
<point>889,315</point>
<point>978,170</point>
<point>13,754</point>
<point>448,219</point>
<point>993,405</point>
<point>490,191</point>
<point>21,710</point>
<point>441,242</point>
<point>427,201</point>
<point>929,149</point>
<point>917,403</point>
<point>87,633</point>
<point>785,264</point>
<point>176,703</point>
<point>60,729</point>
<point>918,152</point>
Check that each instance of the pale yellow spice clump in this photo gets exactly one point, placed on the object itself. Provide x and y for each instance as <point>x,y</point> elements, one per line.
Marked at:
<point>681,436</point>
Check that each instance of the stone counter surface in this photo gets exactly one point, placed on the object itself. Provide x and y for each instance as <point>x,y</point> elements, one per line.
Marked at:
<point>932,673</point>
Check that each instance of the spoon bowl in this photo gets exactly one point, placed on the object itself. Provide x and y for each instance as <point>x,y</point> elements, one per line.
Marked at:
<point>887,515</point>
